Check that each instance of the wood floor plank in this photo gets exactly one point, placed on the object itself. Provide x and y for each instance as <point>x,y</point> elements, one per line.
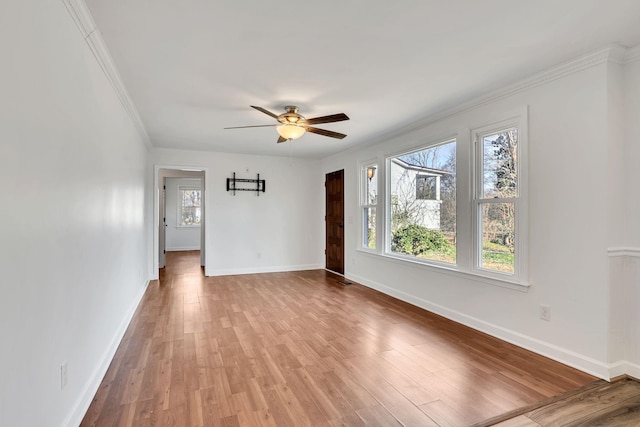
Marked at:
<point>624,414</point>
<point>445,415</point>
<point>378,416</point>
<point>599,402</point>
<point>299,348</point>
<point>521,421</point>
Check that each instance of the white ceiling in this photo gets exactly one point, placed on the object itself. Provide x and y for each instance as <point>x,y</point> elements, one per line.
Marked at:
<point>193,67</point>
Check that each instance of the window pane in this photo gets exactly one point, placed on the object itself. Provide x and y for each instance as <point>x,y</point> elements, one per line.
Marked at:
<point>371,185</point>
<point>426,187</point>
<point>369,228</point>
<point>498,236</point>
<point>499,164</point>
<point>189,200</point>
<point>190,216</point>
<point>423,203</point>
<point>190,197</point>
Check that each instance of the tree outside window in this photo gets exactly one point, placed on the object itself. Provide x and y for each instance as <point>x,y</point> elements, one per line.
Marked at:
<point>189,207</point>
<point>497,201</point>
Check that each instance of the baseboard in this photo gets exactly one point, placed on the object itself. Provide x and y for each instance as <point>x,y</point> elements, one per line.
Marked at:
<point>257,270</point>
<point>91,388</point>
<point>557,353</point>
<point>624,368</point>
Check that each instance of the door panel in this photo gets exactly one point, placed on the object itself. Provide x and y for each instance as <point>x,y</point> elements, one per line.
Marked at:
<point>334,220</point>
<point>162,232</point>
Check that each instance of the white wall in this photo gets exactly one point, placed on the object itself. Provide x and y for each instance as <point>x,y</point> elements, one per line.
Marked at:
<point>73,253</point>
<point>632,266</point>
<point>625,253</point>
<point>570,219</point>
<point>179,238</point>
<point>632,149</point>
<point>279,230</point>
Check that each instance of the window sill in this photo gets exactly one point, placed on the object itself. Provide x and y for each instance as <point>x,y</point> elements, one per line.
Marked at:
<point>451,270</point>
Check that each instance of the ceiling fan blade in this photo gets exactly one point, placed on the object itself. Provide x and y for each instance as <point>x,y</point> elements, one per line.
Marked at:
<point>267,112</point>
<point>325,132</point>
<point>254,126</point>
<point>328,119</point>
<point>281,139</point>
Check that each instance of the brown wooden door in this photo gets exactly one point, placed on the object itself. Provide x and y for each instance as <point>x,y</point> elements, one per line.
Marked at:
<point>334,220</point>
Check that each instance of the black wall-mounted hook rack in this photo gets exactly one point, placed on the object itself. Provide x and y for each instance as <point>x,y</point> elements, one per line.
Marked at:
<point>232,184</point>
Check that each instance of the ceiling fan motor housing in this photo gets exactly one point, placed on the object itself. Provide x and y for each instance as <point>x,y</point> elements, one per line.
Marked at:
<point>291,116</point>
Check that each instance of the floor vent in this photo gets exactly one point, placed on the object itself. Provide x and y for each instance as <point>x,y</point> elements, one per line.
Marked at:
<point>345,282</point>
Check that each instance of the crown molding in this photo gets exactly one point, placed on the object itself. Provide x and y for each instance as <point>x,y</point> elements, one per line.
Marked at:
<point>613,53</point>
<point>633,55</point>
<point>624,251</point>
<point>83,19</point>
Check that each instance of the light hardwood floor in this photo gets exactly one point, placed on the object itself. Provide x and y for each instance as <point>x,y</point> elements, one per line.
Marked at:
<point>298,348</point>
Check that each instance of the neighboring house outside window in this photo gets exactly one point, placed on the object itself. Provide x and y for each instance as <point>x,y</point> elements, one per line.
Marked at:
<point>415,192</point>
<point>422,221</point>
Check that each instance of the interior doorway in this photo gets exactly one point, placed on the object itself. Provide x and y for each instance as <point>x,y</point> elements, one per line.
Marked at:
<point>163,175</point>
<point>334,221</point>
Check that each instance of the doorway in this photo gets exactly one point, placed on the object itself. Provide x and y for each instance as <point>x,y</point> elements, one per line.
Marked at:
<point>162,174</point>
<point>334,221</point>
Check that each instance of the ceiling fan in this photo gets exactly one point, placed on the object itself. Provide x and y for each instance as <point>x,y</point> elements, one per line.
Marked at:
<point>293,125</point>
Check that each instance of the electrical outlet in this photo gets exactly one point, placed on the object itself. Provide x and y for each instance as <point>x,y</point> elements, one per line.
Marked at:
<point>545,312</point>
<point>64,368</point>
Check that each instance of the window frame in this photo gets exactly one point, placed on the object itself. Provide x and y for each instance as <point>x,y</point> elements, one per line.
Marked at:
<point>520,274</point>
<point>365,205</point>
<point>467,226</point>
<point>180,206</point>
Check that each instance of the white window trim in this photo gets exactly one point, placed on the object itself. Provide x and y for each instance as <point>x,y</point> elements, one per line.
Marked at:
<point>182,188</point>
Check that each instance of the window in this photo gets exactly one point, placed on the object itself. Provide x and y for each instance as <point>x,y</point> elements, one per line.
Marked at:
<point>497,200</point>
<point>427,187</point>
<point>422,203</point>
<point>189,207</point>
<point>458,204</point>
<point>369,205</point>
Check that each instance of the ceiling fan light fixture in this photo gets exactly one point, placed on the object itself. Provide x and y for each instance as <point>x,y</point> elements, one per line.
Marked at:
<point>290,131</point>
<point>292,125</point>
